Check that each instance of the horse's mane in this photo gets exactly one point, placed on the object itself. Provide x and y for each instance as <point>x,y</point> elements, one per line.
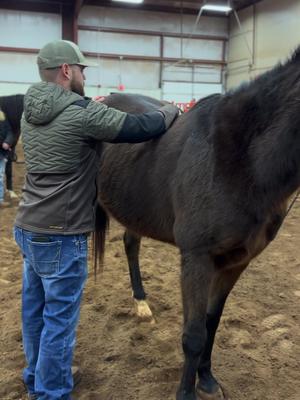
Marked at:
<point>252,122</point>
<point>247,112</point>
<point>210,99</point>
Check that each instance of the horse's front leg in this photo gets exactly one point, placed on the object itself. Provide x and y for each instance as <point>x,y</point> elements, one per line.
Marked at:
<point>222,283</point>
<point>132,248</point>
<point>196,275</point>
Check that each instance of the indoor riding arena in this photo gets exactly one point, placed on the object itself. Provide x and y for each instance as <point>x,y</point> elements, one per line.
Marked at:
<point>217,193</point>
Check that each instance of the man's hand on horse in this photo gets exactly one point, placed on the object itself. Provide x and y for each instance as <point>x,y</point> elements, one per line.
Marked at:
<point>98,99</point>
<point>170,113</point>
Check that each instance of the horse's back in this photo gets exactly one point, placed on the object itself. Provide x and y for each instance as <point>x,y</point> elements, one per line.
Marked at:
<point>132,103</point>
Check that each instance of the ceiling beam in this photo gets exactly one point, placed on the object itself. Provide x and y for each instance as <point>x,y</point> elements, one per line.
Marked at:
<point>94,28</point>
<point>142,7</point>
<point>69,23</point>
<point>240,4</point>
<point>78,6</point>
<point>33,6</point>
<point>169,6</point>
<point>173,6</point>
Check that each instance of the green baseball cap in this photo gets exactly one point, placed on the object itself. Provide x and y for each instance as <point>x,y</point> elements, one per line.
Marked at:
<point>58,52</point>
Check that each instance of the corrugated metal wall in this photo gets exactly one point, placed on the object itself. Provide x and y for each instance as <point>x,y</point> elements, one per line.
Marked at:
<point>271,30</point>
<point>22,29</point>
<point>175,82</point>
<point>147,74</point>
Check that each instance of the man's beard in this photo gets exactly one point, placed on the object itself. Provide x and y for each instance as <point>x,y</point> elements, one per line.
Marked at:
<point>77,88</point>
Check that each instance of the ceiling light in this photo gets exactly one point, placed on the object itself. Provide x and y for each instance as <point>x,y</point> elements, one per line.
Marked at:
<point>130,1</point>
<point>216,7</point>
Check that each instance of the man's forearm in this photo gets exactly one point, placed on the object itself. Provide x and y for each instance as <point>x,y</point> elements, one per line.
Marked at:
<point>141,127</point>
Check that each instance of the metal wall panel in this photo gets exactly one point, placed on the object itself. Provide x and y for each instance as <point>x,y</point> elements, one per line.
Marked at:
<point>28,29</point>
<point>116,43</point>
<point>272,30</point>
<point>144,75</point>
<point>18,67</point>
<point>193,49</point>
<point>132,74</point>
<point>183,92</point>
<point>190,73</point>
<point>277,31</point>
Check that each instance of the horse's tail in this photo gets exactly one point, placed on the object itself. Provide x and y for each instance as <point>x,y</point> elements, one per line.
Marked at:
<point>101,225</point>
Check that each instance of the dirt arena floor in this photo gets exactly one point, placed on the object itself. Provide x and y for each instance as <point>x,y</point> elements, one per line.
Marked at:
<point>257,350</point>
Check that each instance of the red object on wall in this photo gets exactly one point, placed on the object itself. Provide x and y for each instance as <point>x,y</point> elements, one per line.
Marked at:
<point>186,106</point>
<point>121,87</point>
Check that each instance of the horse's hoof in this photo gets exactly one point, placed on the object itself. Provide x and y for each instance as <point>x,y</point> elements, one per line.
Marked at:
<point>218,395</point>
<point>143,312</point>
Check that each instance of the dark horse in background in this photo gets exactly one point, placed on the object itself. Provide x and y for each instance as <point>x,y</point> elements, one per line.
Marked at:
<point>13,108</point>
<point>216,185</point>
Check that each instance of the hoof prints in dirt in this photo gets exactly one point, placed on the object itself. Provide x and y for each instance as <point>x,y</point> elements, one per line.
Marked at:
<point>257,346</point>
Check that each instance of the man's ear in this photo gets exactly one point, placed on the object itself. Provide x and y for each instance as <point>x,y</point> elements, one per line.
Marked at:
<point>66,71</point>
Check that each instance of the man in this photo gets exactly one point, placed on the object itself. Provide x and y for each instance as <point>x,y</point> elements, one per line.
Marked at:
<point>60,129</point>
<point>6,141</point>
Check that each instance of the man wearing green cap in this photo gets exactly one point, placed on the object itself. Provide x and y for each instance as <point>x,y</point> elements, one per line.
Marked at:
<point>60,129</point>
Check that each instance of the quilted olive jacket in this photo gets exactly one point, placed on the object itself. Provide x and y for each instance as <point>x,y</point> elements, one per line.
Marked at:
<point>59,130</point>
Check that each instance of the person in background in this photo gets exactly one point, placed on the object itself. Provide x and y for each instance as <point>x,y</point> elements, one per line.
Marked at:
<point>60,129</point>
<point>12,157</point>
<point>6,141</point>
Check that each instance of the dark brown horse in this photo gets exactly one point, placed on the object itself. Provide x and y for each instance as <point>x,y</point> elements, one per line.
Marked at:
<point>215,185</point>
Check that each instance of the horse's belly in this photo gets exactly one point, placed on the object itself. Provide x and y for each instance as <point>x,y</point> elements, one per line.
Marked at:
<point>144,224</point>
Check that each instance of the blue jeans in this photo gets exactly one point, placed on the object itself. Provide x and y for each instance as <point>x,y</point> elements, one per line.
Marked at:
<point>2,172</point>
<point>54,273</point>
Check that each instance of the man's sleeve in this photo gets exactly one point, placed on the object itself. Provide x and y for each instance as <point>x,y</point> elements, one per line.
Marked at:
<point>111,125</point>
<point>141,127</point>
<point>102,122</point>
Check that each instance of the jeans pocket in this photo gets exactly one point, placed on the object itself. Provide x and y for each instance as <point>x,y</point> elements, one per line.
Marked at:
<point>45,256</point>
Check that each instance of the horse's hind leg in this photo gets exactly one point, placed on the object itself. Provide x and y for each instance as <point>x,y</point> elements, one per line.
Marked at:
<point>132,248</point>
<point>223,282</point>
<point>196,276</point>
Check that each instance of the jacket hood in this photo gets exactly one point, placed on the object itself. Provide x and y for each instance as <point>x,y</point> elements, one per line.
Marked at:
<point>44,101</point>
